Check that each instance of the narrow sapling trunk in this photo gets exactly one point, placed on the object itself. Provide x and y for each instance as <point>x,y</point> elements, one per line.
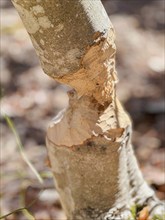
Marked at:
<point>89,143</point>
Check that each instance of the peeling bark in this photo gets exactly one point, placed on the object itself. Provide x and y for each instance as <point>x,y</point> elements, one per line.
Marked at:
<point>89,143</point>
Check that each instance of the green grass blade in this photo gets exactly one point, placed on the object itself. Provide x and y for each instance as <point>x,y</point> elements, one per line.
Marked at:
<point>25,212</point>
<point>28,215</point>
<point>20,146</point>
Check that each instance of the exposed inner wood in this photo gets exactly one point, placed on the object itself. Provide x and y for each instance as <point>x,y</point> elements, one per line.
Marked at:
<point>93,109</point>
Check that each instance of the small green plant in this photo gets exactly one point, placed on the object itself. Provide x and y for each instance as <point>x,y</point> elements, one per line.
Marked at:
<point>134,211</point>
<point>158,217</point>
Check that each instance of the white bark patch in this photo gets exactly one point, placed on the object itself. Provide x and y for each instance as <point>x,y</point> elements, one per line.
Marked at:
<point>30,21</point>
<point>42,42</point>
<point>44,22</point>
<point>40,52</point>
<point>94,10</point>
<point>38,9</point>
<point>123,195</point>
<point>70,56</point>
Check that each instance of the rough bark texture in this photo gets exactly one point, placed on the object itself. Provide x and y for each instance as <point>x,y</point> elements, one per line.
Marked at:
<point>89,143</point>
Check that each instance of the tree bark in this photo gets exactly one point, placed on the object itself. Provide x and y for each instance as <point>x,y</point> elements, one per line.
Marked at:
<point>89,143</point>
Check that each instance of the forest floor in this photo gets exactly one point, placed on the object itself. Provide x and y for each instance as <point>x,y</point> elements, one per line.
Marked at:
<point>31,100</point>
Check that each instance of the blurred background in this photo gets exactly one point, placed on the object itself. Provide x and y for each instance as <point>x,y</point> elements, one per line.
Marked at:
<point>31,100</point>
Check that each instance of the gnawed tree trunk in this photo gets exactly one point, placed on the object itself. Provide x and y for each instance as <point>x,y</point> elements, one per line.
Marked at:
<point>89,143</point>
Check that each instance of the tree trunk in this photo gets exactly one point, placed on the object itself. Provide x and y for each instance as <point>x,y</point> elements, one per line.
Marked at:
<point>89,143</point>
